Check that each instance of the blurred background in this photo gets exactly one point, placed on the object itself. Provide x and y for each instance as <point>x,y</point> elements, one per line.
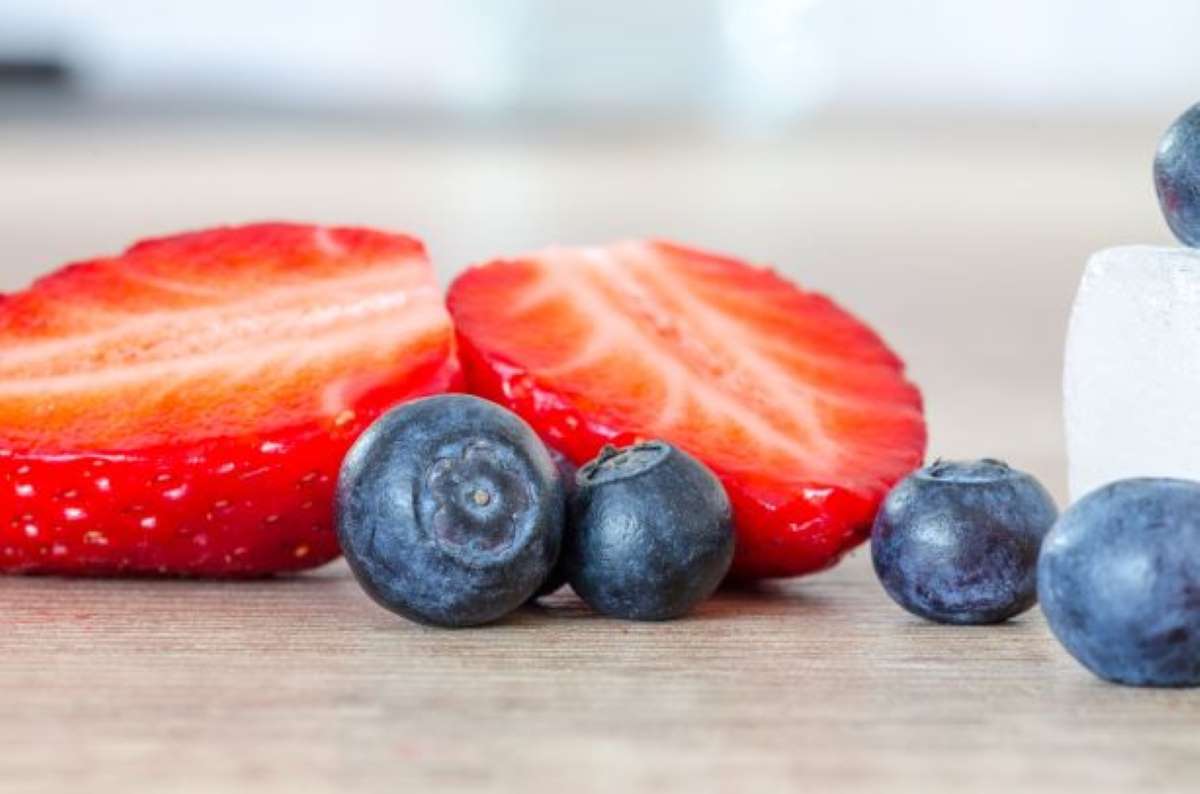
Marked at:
<point>941,167</point>
<point>758,64</point>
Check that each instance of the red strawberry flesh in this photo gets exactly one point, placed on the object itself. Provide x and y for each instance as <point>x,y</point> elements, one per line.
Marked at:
<point>182,408</point>
<point>802,410</point>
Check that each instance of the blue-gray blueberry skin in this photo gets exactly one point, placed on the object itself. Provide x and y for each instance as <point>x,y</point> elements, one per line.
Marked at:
<point>450,511</point>
<point>649,534</point>
<point>958,542</point>
<point>1119,578</point>
<point>1177,176</point>
<point>566,470</point>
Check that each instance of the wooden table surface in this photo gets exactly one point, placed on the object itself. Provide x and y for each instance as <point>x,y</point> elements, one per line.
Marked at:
<point>960,242</point>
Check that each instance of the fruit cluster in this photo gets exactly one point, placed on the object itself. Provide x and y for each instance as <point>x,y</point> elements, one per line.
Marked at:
<point>252,400</point>
<point>1118,574</point>
<point>451,511</point>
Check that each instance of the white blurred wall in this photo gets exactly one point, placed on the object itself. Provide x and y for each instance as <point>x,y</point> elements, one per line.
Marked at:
<point>762,59</point>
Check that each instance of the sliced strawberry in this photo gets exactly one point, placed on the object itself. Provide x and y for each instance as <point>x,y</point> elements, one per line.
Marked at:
<point>183,408</point>
<point>801,410</point>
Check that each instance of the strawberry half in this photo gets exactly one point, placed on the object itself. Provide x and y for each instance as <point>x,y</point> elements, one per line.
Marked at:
<point>799,408</point>
<point>183,408</point>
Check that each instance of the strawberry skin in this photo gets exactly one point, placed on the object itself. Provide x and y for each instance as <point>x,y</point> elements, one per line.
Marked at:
<point>801,410</point>
<point>182,408</point>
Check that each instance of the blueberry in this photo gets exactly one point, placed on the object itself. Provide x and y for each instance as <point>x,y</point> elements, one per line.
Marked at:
<point>1177,176</point>
<point>1119,577</point>
<point>450,510</point>
<point>957,542</point>
<point>650,533</point>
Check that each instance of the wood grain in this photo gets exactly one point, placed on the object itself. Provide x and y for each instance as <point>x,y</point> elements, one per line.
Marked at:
<point>305,685</point>
<point>961,243</point>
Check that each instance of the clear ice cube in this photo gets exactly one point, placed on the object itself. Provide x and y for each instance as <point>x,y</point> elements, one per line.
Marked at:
<point>1131,376</point>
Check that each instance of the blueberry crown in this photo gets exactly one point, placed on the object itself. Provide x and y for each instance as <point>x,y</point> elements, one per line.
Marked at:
<point>982,470</point>
<point>618,464</point>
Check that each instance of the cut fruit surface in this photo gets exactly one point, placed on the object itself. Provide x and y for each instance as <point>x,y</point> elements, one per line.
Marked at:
<point>182,408</point>
<point>801,410</point>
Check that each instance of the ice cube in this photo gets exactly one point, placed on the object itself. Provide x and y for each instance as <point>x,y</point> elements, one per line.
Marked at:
<point>1131,380</point>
